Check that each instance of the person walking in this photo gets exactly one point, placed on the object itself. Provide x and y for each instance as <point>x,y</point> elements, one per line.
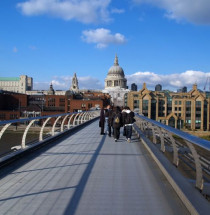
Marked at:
<point>117,122</point>
<point>102,121</point>
<point>108,119</point>
<point>123,119</point>
<point>106,114</point>
<point>128,123</point>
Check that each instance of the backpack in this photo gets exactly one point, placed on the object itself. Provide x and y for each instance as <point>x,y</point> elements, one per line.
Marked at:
<point>116,119</point>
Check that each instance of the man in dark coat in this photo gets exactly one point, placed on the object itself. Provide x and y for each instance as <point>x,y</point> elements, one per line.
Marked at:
<point>108,119</point>
<point>116,122</point>
<point>102,121</point>
<point>128,123</point>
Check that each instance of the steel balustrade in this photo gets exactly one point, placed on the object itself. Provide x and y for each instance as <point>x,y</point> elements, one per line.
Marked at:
<point>82,117</point>
<point>69,122</point>
<point>63,121</point>
<point>75,118</point>
<point>192,142</point>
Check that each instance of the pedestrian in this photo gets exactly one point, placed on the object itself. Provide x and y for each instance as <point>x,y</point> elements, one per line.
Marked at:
<point>108,120</point>
<point>128,123</point>
<point>123,119</point>
<point>116,122</point>
<point>102,121</point>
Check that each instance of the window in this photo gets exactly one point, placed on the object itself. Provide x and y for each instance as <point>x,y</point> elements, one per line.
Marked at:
<point>198,103</point>
<point>136,103</point>
<point>13,116</point>
<point>135,95</point>
<point>188,103</point>
<point>180,108</point>
<point>180,102</point>
<point>176,102</point>
<point>2,116</point>
<point>62,99</point>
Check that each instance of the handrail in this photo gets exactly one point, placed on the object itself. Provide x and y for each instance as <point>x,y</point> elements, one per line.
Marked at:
<point>40,117</point>
<point>56,117</point>
<point>165,133</point>
<point>193,139</point>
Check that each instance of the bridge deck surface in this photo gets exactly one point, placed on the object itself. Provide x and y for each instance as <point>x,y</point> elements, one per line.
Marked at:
<point>88,174</point>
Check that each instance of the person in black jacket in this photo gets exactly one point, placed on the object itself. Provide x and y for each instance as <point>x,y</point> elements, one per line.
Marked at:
<point>108,119</point>
<point>116,122</point>
<point>102,121</point>
<point>128,123</point>
<point>124,114</point>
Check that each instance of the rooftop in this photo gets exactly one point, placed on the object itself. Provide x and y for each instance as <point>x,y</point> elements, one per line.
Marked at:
<point>9,78</point>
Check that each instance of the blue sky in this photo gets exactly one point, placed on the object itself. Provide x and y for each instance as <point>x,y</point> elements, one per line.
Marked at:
<point>157,41</point>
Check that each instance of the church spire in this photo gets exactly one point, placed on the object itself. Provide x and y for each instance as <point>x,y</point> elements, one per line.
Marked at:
<point>75,86</point>
<point>116,61</point>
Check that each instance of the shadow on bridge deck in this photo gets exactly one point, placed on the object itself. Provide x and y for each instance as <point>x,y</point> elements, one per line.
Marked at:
<point>87,173</point>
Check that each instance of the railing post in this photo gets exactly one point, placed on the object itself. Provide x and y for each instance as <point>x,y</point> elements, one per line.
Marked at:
<point>199,173</point>
<point>23,144</point>
<point>42,129</point>
<point>53,128</point>
<point>74,122</point>
<point>83,118</point>
<point>162,147</point>
<point>4,129</point>
<point>175,151</point>
<point>80,118</point>
<point>69,122</point>
<point>153,134</point>
<point>62,124</point>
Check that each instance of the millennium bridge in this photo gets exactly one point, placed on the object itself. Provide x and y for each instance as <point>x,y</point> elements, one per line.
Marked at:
<point>60,164</point>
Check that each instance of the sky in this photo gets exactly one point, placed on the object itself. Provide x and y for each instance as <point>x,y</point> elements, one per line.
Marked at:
<point>163,42</point>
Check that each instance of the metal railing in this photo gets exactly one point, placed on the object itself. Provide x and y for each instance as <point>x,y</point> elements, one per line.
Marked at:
<point>55,124</point>
<point>180,147</point>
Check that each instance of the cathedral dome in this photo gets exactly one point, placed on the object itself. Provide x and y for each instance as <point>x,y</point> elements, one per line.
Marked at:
<point>116,70</point>
<point>115,77</point>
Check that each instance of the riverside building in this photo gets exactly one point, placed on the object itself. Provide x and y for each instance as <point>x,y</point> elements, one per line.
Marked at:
<point>189,110</point>
<point>16,84</point>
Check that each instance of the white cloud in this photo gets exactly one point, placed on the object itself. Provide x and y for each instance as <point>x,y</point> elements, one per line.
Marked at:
<point>64,83</point>
<point>102,37</point>
<point>117,11</point>
<point>171,81</point>
<point>195,11</point>
<point>85,11</point>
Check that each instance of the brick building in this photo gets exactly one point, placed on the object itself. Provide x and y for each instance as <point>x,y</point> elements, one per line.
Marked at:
<point>16,105</point>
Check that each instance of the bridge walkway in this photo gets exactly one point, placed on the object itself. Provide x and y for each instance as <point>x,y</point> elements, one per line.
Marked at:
<point>90,174</point>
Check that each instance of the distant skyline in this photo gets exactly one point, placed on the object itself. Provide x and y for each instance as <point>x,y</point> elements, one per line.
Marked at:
<point>157,41</point>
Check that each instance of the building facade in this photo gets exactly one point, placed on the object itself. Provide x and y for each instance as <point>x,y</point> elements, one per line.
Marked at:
<point>16,105</point>
<point>188,110</point>
<point>158,87</point>
<point>116,84</point>
<point>15,84</point>
<point>134,87</point>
